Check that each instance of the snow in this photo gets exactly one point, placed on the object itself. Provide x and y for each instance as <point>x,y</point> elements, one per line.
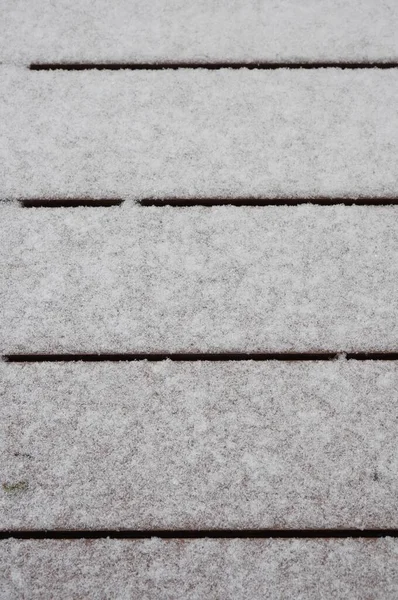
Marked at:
<point>199,445</point>
<point>136,134</point>
<point>244,279</point>
<point>198,30</point>
<point>197,569</point>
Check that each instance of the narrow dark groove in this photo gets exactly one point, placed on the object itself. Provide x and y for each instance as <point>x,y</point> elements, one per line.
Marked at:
<point>189,357</point>
<point>156,66</point>
<point>199,533</point>
<point>69,202</point>
<point>372,355</point>
<point>185,202</point>
<point>179,357</point>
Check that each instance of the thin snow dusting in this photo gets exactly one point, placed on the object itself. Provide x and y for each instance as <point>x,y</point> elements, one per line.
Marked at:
<point>135,279</point>
<point>196,569</point>
<point>198,30</point>
<point>113,447</point>
<point>135,134</point>
<point>199,445</point>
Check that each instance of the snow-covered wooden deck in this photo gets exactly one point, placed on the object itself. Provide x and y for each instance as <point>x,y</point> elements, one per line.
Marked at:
<point>213,387</point>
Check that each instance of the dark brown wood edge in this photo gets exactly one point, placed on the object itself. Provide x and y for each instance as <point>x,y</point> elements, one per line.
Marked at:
<point>68,202</point>
<point>164,65</point>
<point>207,202</point>
<point>42,534</point>
<point>186,202</point>
<point>199,356</point>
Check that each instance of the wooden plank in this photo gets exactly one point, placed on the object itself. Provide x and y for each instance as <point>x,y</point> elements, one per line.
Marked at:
<point>196,569</point>
<point>135,279</point>
<point>199,133</point>
<point>199,445</point>
<point>198,30</point>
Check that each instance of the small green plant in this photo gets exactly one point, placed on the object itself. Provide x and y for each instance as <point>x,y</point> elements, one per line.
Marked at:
<point>13,488</point>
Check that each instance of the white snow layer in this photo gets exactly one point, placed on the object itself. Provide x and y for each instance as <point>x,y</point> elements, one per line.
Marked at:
<point>198,569</point>
<point>147,445</point>
<point>136,279</point>
<point>199,133</point>
<point>198,30</point>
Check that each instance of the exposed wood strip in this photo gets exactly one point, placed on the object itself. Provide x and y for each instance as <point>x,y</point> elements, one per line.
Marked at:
<point>291,201</point>
<point>69,202</point>
<point>192,357</point>
<point>195,534</point>
<point>214,66</point>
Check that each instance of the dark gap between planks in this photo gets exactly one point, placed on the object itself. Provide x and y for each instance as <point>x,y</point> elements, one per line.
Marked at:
<point>185,202</point>
<point>156,66</point>
<point>69,202</point>
<point>207,202</point>
<point>190,357</point>
<point>200,533</point>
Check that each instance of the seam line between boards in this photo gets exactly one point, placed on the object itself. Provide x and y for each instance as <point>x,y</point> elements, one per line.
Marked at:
<point>204,202</point>
<point>192,357</point>
<point>215,65</point>
<point>200,534</point>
